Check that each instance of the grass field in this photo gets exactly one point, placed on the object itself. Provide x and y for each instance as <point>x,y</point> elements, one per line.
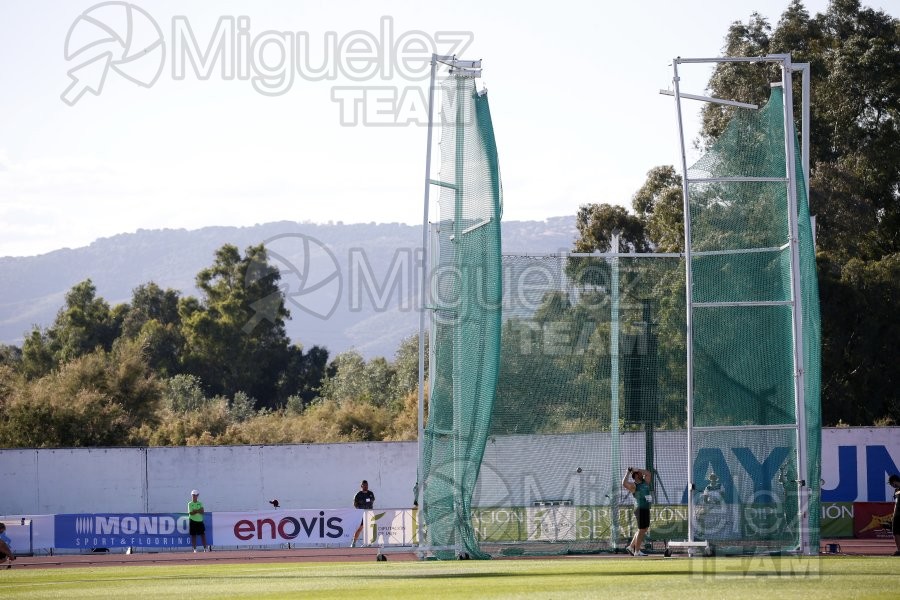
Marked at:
<point>751,577</point>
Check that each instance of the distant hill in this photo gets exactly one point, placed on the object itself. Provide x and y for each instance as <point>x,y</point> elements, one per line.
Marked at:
<point>348,286</point>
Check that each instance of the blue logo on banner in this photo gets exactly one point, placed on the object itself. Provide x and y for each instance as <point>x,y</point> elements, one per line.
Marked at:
<point>123,530</point>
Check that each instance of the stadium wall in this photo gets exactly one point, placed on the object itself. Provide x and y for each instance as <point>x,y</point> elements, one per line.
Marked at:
<point>855,464</point>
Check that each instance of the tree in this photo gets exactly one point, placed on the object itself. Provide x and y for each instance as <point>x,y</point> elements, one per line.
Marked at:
<point>596,223</point>
<point>99,399</point>
<point>234,335</point>
<point>406,367</point>
<point>82,325</point>
<point>303,375</point>
<point>153,318</point>
<point>659,204</point>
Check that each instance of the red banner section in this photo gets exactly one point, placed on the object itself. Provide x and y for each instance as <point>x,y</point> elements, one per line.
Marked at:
<point>873,520</point>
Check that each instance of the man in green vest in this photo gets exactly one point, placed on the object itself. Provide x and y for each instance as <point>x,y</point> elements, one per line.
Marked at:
<point>195,522</point>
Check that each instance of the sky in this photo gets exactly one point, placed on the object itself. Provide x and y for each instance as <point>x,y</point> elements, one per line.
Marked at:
<point>315,111</point>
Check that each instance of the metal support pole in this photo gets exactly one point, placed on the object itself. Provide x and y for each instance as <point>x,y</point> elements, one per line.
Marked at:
<point>614,390</point>
<point>420,488</point>
<point>461,315</point>
<point>688,290</point>
<point>796,304</point>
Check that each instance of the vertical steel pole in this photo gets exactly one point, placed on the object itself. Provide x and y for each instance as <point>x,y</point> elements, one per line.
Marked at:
<point>614,389</point>
<point>796,303</point>
<point>804,137</point>
<point>689,315</point>
<point>420,488</point>
<point>461,310</point>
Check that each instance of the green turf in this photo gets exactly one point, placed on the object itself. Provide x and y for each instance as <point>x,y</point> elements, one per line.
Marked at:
<point>751,577</point>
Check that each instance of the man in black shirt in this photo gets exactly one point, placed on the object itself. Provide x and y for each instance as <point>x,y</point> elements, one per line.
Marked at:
<point>364,499</point>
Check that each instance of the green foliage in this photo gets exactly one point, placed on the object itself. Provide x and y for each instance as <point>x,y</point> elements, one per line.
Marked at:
<point>353,379</point>
<point>241,407</point>
<point>100,399</point>
<point>854,57</point>
<point>861,336</point>
<point>135,373</point>
<point>406,367</point>
<point>596,222</point>
<point>184,393</point>
<point>659,204</point>
<point>84,324</point>
<point>234,336</point>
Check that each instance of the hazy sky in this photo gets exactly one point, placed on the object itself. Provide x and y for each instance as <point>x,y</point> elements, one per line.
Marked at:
<point>574,91</point>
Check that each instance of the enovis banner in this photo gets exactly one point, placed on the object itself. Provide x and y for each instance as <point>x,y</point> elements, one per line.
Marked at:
<point>122,530</point>
<point>300,528</point>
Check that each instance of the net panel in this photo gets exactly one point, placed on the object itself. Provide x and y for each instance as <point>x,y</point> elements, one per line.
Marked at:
<point>591,371</point>
<point>744,394</point>
<point>466,293</point>
<point>592,380</point>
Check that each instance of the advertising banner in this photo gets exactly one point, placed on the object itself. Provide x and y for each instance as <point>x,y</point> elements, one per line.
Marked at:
<point>391,527</point>
<point>873,520</point>
<point>301,528</point>
<point>123,530</point>
<point>515,524</point>
<point>837,520</point>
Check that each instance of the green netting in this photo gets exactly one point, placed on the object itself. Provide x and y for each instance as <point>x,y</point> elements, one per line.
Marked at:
<point>528,438</point>
<point>744,395</point>
<point>466,293</point>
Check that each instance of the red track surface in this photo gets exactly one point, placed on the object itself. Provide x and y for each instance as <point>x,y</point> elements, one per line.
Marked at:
<point>847,547</point>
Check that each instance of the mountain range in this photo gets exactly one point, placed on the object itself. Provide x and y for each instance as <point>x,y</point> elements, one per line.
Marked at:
<point>348,286</point>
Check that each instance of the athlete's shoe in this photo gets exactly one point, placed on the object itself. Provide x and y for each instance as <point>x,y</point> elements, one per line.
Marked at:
<point>195,551</point>
<point>640,553</point>
<point>629,550</point>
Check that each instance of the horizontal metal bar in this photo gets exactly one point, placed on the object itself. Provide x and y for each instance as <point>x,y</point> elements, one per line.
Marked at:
<point>709,99</point>
<point>436,431</point>
<point>714,428</point>
<point>673,544</point>
<point>738,180</point>
<point>476,226</point>
<point>733,59</point>
<point>620,254</point>
<point>465,72</point>
<point>739,304</point>
<point>442,184</point>
<point>465,64</point>
<point>741,251</point>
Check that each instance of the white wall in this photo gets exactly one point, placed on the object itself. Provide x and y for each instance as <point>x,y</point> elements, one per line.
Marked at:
<point>244,478</point>
<point>230,478</point>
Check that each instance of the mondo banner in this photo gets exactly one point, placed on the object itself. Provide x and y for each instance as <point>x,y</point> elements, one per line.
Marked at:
<point>118,530</point>
<point>300,528</point>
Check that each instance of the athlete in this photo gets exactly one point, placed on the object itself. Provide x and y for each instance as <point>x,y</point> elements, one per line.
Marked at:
<point>639,486</point>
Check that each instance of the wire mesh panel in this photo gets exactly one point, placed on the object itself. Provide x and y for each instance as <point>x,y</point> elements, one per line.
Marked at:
<point>592,376</point>
<point>744,396</point>
<point>551,375</point>
<point>466,293</point>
